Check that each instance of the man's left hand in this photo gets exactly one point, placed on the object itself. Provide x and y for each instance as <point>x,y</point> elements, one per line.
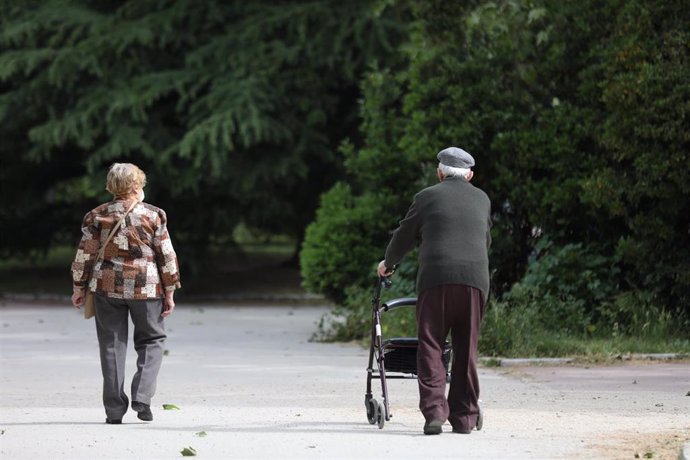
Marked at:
<point>383,270</point>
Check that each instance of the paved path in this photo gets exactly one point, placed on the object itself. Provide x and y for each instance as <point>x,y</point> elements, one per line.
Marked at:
<point>251,380</point>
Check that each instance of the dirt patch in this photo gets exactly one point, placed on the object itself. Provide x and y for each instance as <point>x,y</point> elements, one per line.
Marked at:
<point>635,444</point>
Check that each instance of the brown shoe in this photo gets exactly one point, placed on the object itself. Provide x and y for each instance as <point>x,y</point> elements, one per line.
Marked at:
<point>433,427</point>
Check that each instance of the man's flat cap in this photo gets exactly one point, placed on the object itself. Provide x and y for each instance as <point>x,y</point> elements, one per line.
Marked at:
<point>455,158</point>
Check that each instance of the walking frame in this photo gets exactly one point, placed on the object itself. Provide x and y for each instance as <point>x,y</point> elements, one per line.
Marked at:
<point>394,358</point>
<point>401,354</point>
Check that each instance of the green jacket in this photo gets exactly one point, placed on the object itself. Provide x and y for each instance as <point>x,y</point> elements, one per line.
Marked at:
<point>451,223</point>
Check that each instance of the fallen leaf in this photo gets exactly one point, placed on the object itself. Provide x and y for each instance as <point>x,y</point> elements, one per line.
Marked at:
<point>200,434</point>
<point>188,452</point>
<point>170,407</point>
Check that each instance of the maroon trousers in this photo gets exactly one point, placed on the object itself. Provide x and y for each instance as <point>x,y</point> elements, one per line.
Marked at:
<point>441,309</point>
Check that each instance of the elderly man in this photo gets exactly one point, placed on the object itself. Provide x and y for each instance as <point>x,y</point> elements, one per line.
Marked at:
<point>450,222</point>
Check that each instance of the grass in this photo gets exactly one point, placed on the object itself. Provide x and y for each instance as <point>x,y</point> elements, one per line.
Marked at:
<point>596,349</point>
<point>518,334</point>
<point>529,331</point>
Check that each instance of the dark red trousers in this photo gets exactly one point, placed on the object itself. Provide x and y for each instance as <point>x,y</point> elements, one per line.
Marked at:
<point>457,309</point>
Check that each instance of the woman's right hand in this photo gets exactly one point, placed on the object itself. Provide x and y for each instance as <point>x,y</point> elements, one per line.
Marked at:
<point>168,303</point>
<point>77,297</point>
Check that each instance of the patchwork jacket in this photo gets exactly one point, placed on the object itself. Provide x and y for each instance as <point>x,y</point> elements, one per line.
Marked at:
<point>139,261</point>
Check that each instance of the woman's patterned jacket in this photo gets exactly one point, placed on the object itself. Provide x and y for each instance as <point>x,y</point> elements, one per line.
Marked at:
<point>139,262</point>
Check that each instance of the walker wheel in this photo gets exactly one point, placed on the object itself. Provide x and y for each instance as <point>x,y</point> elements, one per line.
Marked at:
<point>381,415</point>
<point>373,411</point>
<point>480,419</point>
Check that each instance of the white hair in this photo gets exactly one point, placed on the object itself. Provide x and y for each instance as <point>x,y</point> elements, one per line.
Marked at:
<point>449,171</point>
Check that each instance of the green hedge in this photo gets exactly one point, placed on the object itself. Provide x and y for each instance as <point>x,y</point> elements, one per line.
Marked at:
<point>576,115</point>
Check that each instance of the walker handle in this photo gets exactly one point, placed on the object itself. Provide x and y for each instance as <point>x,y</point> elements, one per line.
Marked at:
<point>385,281</point>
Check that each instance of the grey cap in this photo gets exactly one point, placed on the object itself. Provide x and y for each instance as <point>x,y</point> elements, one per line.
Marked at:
<point>455,158</point>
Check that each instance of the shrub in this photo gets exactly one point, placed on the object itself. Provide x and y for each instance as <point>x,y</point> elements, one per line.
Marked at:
<point>352,319</point>
<point>568,283</point>
<point>558,152</point>
<point>638,314</point>
<point>344,242</point>
<point>505,330</point>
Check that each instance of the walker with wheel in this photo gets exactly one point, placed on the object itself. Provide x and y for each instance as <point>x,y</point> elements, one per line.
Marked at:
<point>395,358</point>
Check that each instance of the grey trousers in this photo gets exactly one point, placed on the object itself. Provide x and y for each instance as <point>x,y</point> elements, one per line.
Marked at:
<point>112,327</point>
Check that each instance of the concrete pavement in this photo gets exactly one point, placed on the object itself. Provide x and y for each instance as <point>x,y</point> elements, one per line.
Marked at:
<point>250,384</point>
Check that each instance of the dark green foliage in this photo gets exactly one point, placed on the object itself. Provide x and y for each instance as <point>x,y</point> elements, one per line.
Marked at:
<point>568,283</point>
<point>350,230</point>
<point>576,113</point>
<point>234,109</point>
<point>646,178</point>
<point>637,314</point>
<point>571,292</point>
<point>518,330</point>
<point>506,330</point>
<point>505,88</point>
<point>353,318</point>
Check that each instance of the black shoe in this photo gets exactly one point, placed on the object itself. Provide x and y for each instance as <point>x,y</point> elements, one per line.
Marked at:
<point>143,411</point>
<point>113,421</point>
<point>433,427</point>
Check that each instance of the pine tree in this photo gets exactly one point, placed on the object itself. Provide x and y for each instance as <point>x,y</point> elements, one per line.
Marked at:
<point>236,108</point>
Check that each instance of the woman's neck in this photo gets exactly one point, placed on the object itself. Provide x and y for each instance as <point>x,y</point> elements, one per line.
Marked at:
<point>128,197</point>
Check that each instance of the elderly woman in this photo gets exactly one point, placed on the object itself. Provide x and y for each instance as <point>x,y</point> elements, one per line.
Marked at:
<point>134,274</point>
